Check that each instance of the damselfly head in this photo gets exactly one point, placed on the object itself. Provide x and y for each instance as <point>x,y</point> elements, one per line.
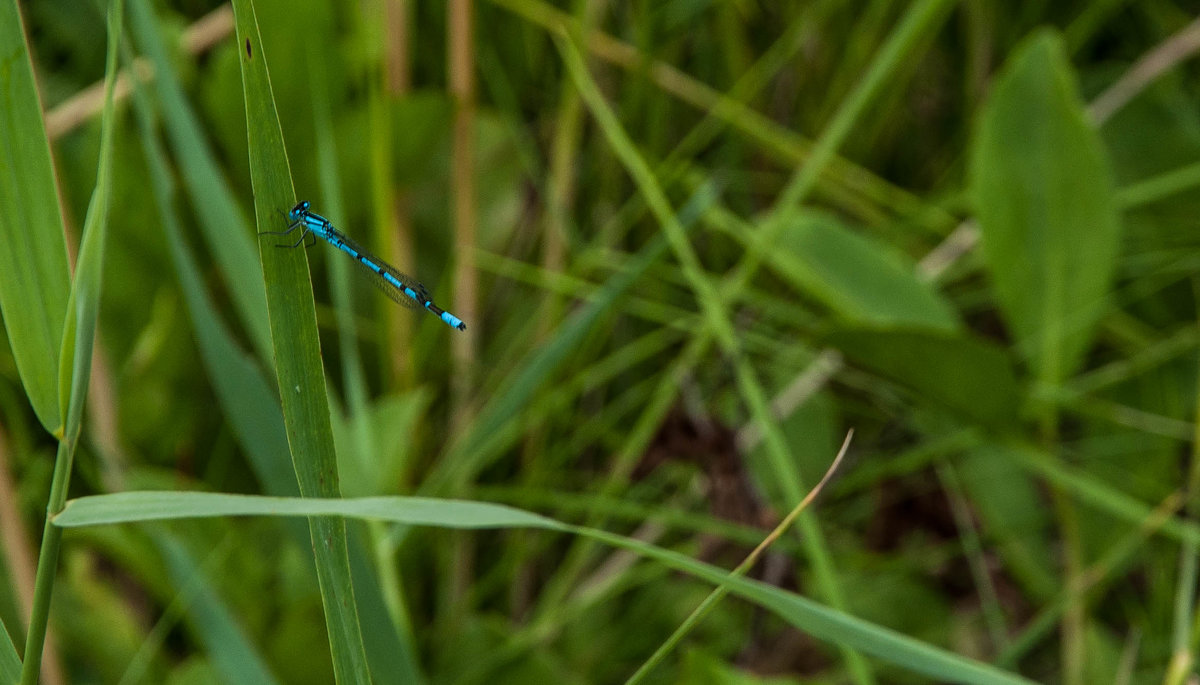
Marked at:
<point>299,210</point>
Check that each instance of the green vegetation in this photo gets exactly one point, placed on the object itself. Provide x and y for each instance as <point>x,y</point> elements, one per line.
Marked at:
<point>695,243</point>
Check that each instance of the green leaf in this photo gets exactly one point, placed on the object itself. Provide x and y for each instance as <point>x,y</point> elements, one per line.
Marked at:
<point>967,375</point>
<point>1045,203</point>
<point>33,261</point>
<point>300,376</point>
<point>811,617</point>
<point>858,278</point>
<point>149,505</point>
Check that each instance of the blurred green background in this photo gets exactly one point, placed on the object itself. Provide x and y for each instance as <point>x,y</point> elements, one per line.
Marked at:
<point>694,242</point>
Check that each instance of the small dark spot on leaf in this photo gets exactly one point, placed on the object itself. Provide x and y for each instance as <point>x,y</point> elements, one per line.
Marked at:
<point>248,54</point>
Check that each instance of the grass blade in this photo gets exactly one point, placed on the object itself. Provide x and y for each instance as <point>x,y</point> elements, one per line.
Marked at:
<point>75,358</point>
<point>298,367</point>
<point>150,505</point>
<point>33,263</point>
<point>815,619</point>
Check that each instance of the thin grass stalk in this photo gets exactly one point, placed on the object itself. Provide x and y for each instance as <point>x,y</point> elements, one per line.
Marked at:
<point>78,339</point>
<point>1183,633</point>
<point>710,602</point>
<point>461,64</point>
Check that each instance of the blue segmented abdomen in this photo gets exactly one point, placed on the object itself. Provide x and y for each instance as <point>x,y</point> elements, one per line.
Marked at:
<point>401,288</point>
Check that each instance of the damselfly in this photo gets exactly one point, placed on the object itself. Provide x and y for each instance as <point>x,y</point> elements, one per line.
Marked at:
<point>404,290</point>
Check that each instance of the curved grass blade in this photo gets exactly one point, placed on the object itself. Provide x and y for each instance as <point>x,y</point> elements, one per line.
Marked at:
<point>817,620</point>
<point>153,505</point>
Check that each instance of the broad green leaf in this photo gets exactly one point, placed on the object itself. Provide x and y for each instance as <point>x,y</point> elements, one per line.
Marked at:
<point>861,280</point>
<point>817,620</point>
<point>967,375</point>
<point>297,352</point>
<point>1045,202</point>
<point>33,261</point>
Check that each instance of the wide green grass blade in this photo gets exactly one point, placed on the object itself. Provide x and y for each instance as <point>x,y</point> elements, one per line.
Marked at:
<point>811,617</point>
<point>1046,205</point>
<point>250,405</point>
<point>33,261</point>
<point>300,375</point>
<point>129,507</point>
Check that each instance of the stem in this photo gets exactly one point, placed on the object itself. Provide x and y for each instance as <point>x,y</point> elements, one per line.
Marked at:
<point>43,586</point>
